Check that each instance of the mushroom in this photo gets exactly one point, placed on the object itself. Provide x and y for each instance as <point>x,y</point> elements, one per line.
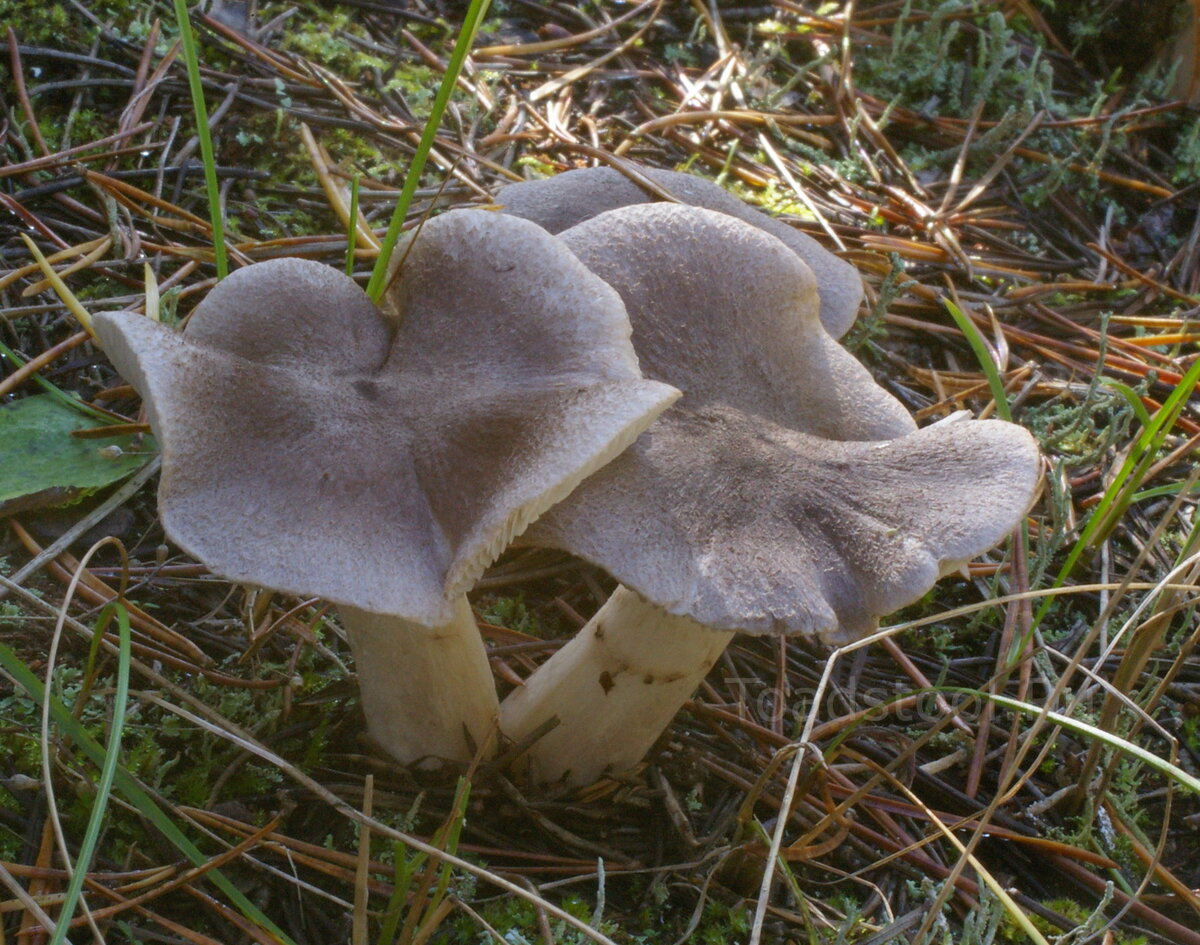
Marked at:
<point>560,202</point>
<point>785,493</point>
<point>313,446</point>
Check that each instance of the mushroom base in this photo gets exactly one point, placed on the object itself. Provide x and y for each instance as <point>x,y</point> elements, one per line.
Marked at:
<point>427,692</point>
<point>614,689</point>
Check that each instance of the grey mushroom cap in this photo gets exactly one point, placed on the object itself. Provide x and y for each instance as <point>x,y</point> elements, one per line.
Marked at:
<point>311,445</point>
<point>560,202</point>
<point>785,492</point>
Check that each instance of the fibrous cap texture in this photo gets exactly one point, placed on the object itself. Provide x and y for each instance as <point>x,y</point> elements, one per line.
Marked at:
<point>786,492</point>
<point>560,202</point>
<point>312,446</point>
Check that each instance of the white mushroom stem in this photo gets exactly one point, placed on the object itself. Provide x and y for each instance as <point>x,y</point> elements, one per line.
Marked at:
<point>614,689</point>
<point>427,692</point>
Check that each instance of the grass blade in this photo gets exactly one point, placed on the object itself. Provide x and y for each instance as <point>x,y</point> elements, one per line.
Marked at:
<point>57,392</point>
<point>458,58</point>
<point>131,790</point>
<point>107,774</point>
<point>1125,485</point>
<point>192,59</point>
<point>1131,398</point>
<point>352,229</point>
<point>984,356</point>
<point>1149,758</point>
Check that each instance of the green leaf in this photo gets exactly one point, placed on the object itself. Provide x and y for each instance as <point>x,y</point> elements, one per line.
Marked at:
<point>42,464</point>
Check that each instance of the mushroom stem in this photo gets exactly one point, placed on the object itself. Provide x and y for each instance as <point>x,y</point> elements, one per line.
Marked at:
<point>427,692</point>
<point>614,688</point>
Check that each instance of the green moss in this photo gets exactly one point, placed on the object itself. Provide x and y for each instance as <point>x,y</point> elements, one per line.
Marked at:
<point>934,61</point>
<point>512,613</point>
<point>417,83</point>
<point>321,36</point>
<point>776,198</point>
<point>56,25</point>
<point>353,152</point>
<point>327,36</point>
<point>540,169</point>
<point>947,57</point>
<point>1080,431</point>
<point>1077,913</point>
<point>19,748</point>
<point>1187,154</point>
<point>37,23</point>
<point>164,751</point>
<point>517,921</point>
<point>1191,732</point>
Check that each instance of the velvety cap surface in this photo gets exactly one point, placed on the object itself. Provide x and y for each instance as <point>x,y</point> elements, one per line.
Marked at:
<point>741,524</point>
<point>560,202</point>
<point>786,492</point>
<point>726,313</point>
<point>313,447</point>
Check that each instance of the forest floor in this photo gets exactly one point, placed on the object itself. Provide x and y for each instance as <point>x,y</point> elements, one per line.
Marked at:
<point>1016,761</point>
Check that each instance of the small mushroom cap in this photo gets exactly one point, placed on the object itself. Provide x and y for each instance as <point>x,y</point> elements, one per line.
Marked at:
<point>560,202</point>
<point>728,314</point>
<point>313,447</point>
<point>786,492</point>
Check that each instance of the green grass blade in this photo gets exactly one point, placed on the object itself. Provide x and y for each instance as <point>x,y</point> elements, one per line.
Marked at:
<point>448,840</point>
<point>192,59</point>
<point>107,774</point>
<point>352,230</point>
<point>1159,491</point>
<point>466,37</point>
<point>1149,758</point>
<point>73,402</point>
<point>406,869</point>
<point>1144,452</point>
<point>1132,398</point>
<point>1125,485</point>
<point>984,356</point>
<point>133,792</point>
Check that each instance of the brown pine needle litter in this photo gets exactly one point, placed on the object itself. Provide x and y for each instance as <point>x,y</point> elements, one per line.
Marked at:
<point>1013,758</point>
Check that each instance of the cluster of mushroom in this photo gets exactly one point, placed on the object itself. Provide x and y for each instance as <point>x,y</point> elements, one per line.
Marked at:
<point>751,476</point>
